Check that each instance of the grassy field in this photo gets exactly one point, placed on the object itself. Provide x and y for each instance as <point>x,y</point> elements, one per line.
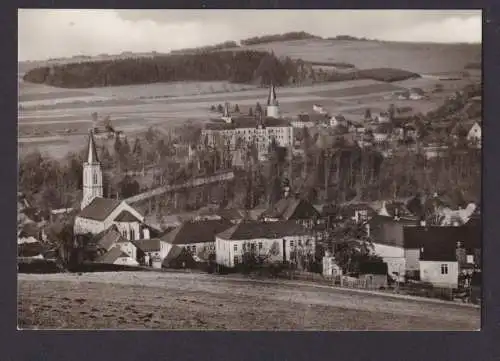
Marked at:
<point>416,57</point>
<point>129,300</point>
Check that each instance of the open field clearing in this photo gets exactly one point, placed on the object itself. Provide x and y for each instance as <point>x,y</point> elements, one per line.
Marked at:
<point>200,301</point>
<point>419,58</point>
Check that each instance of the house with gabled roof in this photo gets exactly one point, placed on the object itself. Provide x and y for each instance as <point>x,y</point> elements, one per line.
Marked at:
<point>275,240</point>
<point>117,256</point>
<point>151,252</point>
<point>111,238</point>
<point>292,208</point>
<point>198,237</point>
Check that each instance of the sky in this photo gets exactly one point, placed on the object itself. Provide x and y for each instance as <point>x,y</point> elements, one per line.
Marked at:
<point>55,33</point>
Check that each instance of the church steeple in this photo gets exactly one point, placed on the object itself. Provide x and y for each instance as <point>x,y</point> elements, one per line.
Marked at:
<point>92,174</point>
<point>271,98</point>
<point>272,103</point>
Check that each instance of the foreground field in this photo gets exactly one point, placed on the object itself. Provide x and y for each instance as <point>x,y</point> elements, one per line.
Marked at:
<point>207,302</point>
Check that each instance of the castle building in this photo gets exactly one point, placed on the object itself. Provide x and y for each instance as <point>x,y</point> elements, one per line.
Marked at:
<point>260,130</point>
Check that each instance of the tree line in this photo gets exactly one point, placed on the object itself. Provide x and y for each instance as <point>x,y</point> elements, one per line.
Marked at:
<point>235,66</point>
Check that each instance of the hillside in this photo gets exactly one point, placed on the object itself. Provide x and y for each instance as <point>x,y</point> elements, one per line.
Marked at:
<point>420,58</point>
<point>287,62</point>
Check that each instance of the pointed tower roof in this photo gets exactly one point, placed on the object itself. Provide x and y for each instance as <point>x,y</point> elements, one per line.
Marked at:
<point>226,111</point>
<point>92,151</point>
<point>271,98</point>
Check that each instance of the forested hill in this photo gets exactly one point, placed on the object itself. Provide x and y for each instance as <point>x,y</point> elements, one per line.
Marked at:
<point>235,66</point>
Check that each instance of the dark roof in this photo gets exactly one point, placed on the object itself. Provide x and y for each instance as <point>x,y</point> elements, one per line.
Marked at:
<point>108,238</point>
<point>291,208</point>
<point>177,253</point>
<point>126,216</point>
<point>196,231</point>
<point>442,237</point>
<point>111,256</point>
<point>270,230</point>
<point>148,245</point>
<point>246,121</point>
<point>30,249</point>
<point>439,253</point>
<point>312,117</point>
<point>92,151</point>
<point>99,209</point>
<point>386,230</point>
<point>231,214</point>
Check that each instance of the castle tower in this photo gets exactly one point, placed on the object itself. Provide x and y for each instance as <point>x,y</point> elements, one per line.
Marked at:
<point>92,174</point>
<point>273,110</point>
<point>226,116</point>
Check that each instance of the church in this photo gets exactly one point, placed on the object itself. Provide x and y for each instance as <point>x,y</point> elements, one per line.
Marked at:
<point>97,213</point>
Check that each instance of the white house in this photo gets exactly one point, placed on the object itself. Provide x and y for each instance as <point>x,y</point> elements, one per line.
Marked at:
<point>439,268</point>
<point>319,109</point>
<point>337,120</point>
<point>275,240</point>
<point>112,238</point>
<point>152,252</point>
<point>474,134</point>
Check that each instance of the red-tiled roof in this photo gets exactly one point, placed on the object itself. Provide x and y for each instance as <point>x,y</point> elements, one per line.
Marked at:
<point>196,231</point>
<point>270,230</point>
<point>99,209</point>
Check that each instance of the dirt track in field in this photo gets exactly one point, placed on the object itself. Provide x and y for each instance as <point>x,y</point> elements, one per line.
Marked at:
<point>207,302</point>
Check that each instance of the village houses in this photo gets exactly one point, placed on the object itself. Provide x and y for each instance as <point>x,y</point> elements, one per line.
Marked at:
<point>274,240</point>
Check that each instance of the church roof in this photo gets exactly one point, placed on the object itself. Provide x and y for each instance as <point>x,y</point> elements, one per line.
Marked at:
<point>92,151</point>
<point>99,209</point>
<point>126,216</point>
<point>271,98</point>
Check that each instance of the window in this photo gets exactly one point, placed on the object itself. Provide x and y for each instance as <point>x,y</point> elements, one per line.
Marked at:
<point>235,247</point>
<point>260,245</point>
<point>194,249</point>
<point>291,243</point>
<point>132,234</point>
<point>236,260</point>
<point>95,178</point>
<point>444,269</point>
<point>300,243</point>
